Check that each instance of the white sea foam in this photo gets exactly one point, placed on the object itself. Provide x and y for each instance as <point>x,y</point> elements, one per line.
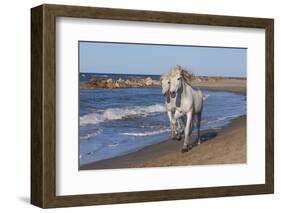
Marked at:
<point>220,119</point>
<point>205,96</point>
<point>112,145</point>
<point>90,135</point>
<point>148,133</point>
<point>120,113</point>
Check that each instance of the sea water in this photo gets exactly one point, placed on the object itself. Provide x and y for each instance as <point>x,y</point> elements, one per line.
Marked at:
<point>114,122</point>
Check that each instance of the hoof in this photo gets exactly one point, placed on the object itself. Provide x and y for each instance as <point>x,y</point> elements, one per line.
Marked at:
<point>178,137</point>
<point>186,149</point>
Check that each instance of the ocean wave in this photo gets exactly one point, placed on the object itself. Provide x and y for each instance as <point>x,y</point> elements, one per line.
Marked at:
<point>120,113</point>
<point>100,76</point>
<point>220,119</point>
<point>113,145</point>
<point>90,135</point>
<point>148,133</point>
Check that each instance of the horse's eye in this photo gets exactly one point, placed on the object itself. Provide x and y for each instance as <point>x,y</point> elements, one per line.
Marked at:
<point>179,78</point>
<point>169,82</point>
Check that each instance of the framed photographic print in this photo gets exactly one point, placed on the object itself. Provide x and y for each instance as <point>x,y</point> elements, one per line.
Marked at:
<point>137,106</point>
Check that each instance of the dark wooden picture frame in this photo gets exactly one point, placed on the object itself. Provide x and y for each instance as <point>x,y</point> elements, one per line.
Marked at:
<point>43,105</point>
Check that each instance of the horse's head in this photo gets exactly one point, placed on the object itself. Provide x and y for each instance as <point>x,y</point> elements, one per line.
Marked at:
<point>175,81</point>
<point>165,83</point>
<point>178,76</point>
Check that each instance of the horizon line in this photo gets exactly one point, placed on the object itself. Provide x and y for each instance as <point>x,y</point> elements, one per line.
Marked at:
<point>161,74</point>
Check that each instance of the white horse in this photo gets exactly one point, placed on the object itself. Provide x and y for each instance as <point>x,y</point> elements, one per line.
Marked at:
<point>170,104</point>
<point>188,103</point>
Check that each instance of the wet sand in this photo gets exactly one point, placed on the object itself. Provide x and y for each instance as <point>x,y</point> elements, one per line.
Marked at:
<point>225,146</point>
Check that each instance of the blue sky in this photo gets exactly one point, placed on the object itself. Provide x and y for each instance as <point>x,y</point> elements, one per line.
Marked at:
<point>99,57</point>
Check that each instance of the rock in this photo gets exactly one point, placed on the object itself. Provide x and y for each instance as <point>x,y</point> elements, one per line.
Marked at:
<point>120,83</point>
<point>156,83</point>
<point>148,81</point>
<point>116,85</point>
<point>109,83</point>
<point>109,80</point>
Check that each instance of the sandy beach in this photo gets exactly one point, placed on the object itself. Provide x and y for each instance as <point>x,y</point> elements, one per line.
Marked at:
<point>224,146</point>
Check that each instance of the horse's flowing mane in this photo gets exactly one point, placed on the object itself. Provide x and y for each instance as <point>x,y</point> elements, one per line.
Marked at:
<point>187,75</point>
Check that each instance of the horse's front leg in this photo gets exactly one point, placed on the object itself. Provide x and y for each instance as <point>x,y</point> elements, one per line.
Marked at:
<point>173,127</point>
<point>183,121</point>
<point>180,129</point>
<point>175,120</point>
<point>187,132</point>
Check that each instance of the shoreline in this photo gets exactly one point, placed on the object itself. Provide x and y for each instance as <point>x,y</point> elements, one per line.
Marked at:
<point>224,146</point>
<point>211,151</point>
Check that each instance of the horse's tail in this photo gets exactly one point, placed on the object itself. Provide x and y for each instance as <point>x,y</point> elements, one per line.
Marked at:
<point>205,96</point>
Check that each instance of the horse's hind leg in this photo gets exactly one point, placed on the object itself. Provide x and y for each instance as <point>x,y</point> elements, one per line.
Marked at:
<point>191,124</point>
<point>179,129</point>
<point>187,145</point>
<point>199,115</point>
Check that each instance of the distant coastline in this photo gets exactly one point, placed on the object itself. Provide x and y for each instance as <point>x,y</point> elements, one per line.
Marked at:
<point>209,82</point>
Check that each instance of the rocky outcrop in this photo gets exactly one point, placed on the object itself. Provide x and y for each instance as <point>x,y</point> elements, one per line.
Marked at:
<point>146,82</point>
<point>120,83</point>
